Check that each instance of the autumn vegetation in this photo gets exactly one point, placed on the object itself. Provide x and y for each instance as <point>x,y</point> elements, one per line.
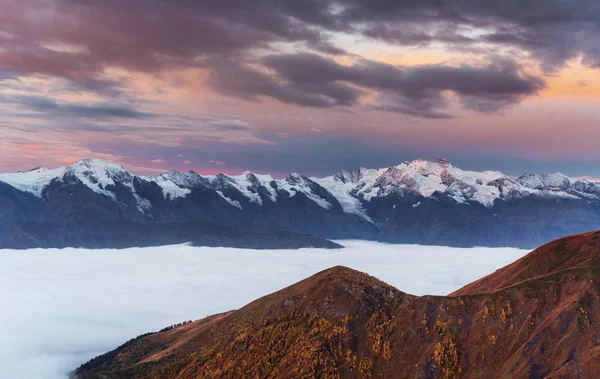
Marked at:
<point>536,318</point>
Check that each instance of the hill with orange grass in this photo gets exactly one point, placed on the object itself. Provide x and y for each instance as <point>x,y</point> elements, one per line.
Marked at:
<point>536,318</point>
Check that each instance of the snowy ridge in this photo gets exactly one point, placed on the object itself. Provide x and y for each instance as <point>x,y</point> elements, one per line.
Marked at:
<point>99,175</point>
<point>102,177</point>
<point>344,191</point>
<point>352,191</point>
<point>427,178</point>
<point>296,183</point>
<point>235,203</point>
<point>422,177</point>
<point>541,181</point>
<point>34,181</point>
<point>172,185</point>
<point>259,188</point>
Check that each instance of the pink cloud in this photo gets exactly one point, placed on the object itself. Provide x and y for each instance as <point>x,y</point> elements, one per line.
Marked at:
<point>590,178</point>
<point>218,163</point>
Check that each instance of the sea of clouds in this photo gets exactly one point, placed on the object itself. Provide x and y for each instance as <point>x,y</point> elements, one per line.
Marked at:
<point>61,307</point>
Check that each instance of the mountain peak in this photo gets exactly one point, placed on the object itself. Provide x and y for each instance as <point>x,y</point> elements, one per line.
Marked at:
<point>579,251</point>
<point>347,275</point>
<point>541,181</point>
<point>422,163</point>
<point>98,175</point>
<point>344,323</point>
<point>443,162</point>
<point>98,164</point>
<point>90,160</point>
<point>38,168</point>
<point>97,167</point>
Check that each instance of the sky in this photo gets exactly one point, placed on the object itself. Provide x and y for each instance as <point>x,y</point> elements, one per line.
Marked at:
<point>49,326</point>
<point>314,86</point>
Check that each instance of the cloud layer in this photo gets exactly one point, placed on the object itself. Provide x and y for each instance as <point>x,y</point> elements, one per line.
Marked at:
<point>79,41</point>
<point>63,307</point>
<point>265,81</point>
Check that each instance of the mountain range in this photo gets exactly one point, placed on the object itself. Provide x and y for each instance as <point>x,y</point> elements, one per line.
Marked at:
<point>419,202</point>
<point>538,317</point>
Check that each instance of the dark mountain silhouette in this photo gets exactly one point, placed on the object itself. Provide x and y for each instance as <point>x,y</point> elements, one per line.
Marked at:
<point>122,234</point>
<point>536,318</point>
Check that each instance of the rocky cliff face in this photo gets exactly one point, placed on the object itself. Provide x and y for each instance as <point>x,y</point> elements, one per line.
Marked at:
<point>536,318</point>
<point>414,202</point>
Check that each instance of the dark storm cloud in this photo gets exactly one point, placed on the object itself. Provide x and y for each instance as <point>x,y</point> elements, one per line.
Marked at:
<point>553,31</point>
<point>229,126</point>
<point>20,57</point>
<point>248,83</point>
<point>416,35</point>
<point>49,106</point>
<point>80,40</point>
<point>151,35</point>
<point>312,80</point>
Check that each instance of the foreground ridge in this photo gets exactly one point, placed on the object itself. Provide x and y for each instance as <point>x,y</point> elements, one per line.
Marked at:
<point>538,317</point>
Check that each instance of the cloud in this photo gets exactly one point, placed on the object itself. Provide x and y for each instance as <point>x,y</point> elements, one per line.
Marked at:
<point>147,36</point>
<point>81,42</point>
<point>115,55</point>
<point>313,80</point>
<point>154,35</point>
<point>93,110</point>
<point>187,162</point>
<point>123,118</point>
<point>6,75</point>
<point>51,328</point>
<point>158,161</point>
<point>552,31</point>
<point>415,34</point>
<point>247,83</point>
<point>218,163</point>
<point>78,40</point>
<point>590,178</point>
<point>25,152</point>
<point>20,57</point>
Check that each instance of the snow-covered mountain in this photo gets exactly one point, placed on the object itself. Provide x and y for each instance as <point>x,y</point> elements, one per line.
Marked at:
<point>427,178</point>
<point>410,202</point>
<point>350,189</point>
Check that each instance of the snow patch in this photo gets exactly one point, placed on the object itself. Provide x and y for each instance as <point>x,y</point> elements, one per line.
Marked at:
<point>342,191</point>
<point>98,175</point>
<point>243,184</point>
<point>542,181</point>
<point>235,203</point>
<point>34,181</point>
<point>169,188</point>
<point>295,183</point>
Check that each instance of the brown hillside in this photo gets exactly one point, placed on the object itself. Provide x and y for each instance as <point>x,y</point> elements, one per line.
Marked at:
<point>578,251</point>
<point>536,318</point>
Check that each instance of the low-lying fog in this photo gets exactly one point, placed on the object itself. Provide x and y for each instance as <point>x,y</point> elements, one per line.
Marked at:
<point>60,308</point>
